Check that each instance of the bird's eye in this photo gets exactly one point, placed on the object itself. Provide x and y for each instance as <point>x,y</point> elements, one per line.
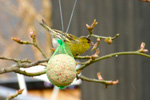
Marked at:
<point>76,54</point>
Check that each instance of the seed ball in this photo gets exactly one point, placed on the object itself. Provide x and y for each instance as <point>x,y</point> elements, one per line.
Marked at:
<point>61,70</point>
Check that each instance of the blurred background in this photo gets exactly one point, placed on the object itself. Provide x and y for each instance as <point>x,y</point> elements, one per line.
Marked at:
<point>129,18</point>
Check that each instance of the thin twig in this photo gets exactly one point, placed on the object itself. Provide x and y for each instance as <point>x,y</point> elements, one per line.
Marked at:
<point>91,27</point>
<point>30,74</point>
<point>82,57</point>
<point>15,95</point>
<point>33,63</point>
<point>104,37</point>
<point>16,69</point>
<point>112,55</point>
<point>97,80</point>
<point>35,45</point>
<point>15,60</point>
<point>18,66</point>
<point>30,43</point>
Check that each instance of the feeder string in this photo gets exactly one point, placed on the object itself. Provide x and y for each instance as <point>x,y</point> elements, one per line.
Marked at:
<point>71,17</point>
<point>62,23</point>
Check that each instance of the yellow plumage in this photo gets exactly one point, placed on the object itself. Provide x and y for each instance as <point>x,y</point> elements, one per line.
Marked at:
<point>76,45</point>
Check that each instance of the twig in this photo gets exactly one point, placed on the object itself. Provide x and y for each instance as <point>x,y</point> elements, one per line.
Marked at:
<point>33,36</point>
<point>35,45</point>
<point>8,69</point>
<point>94,56</point>
<point>91,27</point>
<point>112,55</point>
<point>117,35</point>
<point>30,74</point>
<point>16,69</point>
<point>97,80</point>
<point>33,63</point>
<point>15,95</point>
<point>82,57</point>
<point>96,44</point>
<point>104,37</point>
<point>16,60</point>
<point>18,66</point>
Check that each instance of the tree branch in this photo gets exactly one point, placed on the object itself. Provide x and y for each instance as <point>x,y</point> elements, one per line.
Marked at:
<point>15,95</point>
<point>82,57</point>
<point>104,37</point>
<point>30,74</point>
<point>112,55</point>
<point>18,66</point>
<point>35,45</point>
<point>16,69</point>
<point>8,69</point>
<point>97,80</point>
<point>33,36</point>
<point>16,60</point>
<point>33,63</point>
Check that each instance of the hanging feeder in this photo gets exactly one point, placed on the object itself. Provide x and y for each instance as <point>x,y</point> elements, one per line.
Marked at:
<point>61,68</point>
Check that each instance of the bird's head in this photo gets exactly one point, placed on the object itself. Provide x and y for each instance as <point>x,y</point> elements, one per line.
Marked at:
<point>86,41</point>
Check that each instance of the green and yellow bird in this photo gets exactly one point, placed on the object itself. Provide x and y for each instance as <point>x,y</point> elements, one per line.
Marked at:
<point>77,45</point>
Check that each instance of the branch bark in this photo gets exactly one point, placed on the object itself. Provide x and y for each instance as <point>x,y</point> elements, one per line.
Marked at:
<point>17,67</point>
<point>106,83</point>
<point>15,95</point>
<point>110,56</point>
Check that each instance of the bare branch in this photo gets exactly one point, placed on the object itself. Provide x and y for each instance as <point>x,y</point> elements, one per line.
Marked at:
<point>96,44</point>
<point>15,60</point>
<point>113,55</point>
<point>18,66</point>
<point>16,69</point>
<point>82,57</point>
<point>35,45</point>
<point>91,27</point>
<point>15,95</point>
<point>33,63</point>
<point>30,74</point>
<point>106,83</point>
<point>107,39</point>
<point>30,43</point>
<point>8,69</point>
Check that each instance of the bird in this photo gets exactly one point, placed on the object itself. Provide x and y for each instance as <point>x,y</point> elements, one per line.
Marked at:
<point>77,45</point>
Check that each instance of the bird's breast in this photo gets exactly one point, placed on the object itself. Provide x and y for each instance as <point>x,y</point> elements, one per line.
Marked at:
<point>55,43</point>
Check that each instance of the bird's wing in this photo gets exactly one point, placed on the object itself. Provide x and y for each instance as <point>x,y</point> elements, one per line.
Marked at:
<point>46,26</point>
<point>58,34</point>
<point>70,36</point>
<point>53,33</point>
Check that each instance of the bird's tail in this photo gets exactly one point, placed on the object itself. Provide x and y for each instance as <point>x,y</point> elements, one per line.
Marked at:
<point>51,31</point>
